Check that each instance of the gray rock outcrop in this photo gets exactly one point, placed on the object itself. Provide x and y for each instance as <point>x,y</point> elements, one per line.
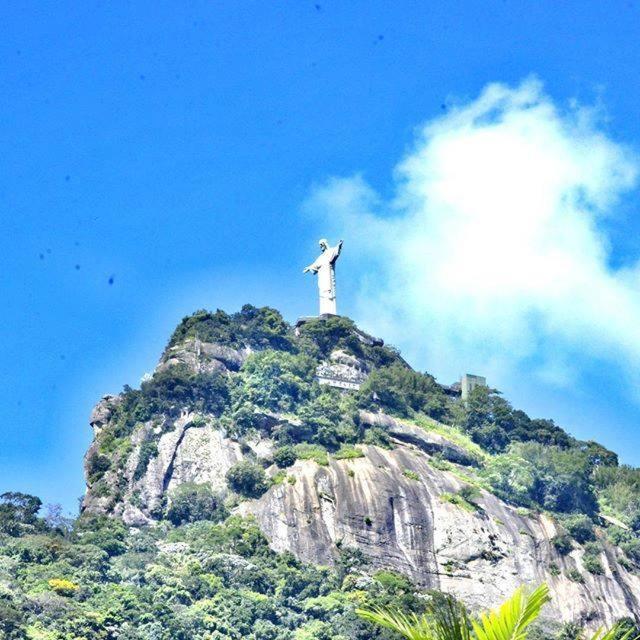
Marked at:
<point>377,505</point>
<point>203,357</point>
<point>395,506</point>
<point>401,508</point>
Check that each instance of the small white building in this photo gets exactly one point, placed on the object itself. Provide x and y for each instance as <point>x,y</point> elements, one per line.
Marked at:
<point>469,382</point>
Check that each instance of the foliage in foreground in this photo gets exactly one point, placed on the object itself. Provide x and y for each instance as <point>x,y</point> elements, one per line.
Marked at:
<point>206,580</point>
<point>201,580</point>
<point>450,621</point>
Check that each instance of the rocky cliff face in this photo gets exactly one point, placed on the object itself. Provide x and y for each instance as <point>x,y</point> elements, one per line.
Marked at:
<point>405,522</point>
<point>400,507</point>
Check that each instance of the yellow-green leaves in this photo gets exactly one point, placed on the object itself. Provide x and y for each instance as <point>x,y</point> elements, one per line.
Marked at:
<point>410,626</point>
<point>450,622</point>
<point>511,620</point>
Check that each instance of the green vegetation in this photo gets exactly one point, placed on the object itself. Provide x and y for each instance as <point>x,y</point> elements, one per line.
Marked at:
<point>453,433</point>
<point>178,387</point>
<point>19,514</point>
<point>198,581</point>
<point>319,337</point>
<point>631,547</point>
<point>347,452</point>
<point>262,328</point>
<point>534,463</point>
<point>412,475</point>
<point>277,380</point>
<point>493,423</point>
<point>619,492</point>
<point>562,544</point>
<point>459,500</point>
<point>394,582</point>
<point>279,477</point>
<point>448,620</point>
<point>97,465</point>
<point>575,576</point>
<point>284,456</point>
<point>377,437</point>
<point>192,502</point>
<point>579,527</point>
<point>331,419</point>
<point>543,476</point>
<point>531,463</point>
<point>591,558</point>
<point>148,450</point>
<point>404,392</point>
<point>247,479</point>
<point>314,452</point>
<point>469,493</point>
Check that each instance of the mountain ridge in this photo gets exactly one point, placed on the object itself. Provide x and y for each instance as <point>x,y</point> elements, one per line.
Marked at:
<point>241,389</point>
<point>235,497</point>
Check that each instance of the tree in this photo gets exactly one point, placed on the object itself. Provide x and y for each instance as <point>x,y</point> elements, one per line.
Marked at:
<point>106,533</point>
<point>19,513</point>
<point>327,420</point>
<point>277,380</point>
<point>493,423</point>
<point>402,391</point>
<point>56,520</point>
<point>247,479</point>
<point>255,327</point>
<point>619,489</point>
<point>284,456</point>
<point>178,387</point>
<point>599,455</point>
<point>11,620</point>
<point>97,465</point>
<point>191,502</point>
<point>327,334</point>
<point>264,328</point>
<point>562,544</point>
<point>579,527</point>
<point>548,477</point>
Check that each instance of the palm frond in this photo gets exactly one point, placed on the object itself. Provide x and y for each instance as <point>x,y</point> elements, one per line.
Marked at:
<point>410,626</point>
<point>511,619</point>
<point>450,620</point>
<point>614,633</point>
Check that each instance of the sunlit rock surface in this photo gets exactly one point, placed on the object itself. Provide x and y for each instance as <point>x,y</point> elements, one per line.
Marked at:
<point>395,505</point>
<point>376,504</point>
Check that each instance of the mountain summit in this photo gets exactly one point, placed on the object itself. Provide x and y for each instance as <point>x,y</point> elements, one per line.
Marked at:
<point>332,443</point>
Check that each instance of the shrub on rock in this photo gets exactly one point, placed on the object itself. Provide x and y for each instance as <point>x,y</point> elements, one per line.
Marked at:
<point>247,479</point>
<point>192,502</point>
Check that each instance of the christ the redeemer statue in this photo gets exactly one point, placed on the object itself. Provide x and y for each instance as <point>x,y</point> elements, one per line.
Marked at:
<point>325,268</point>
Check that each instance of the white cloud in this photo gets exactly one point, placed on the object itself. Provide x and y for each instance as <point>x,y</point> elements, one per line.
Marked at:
<point>491,254</point>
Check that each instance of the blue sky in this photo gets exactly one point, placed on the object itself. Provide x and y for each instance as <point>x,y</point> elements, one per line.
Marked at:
<point>163,157</point>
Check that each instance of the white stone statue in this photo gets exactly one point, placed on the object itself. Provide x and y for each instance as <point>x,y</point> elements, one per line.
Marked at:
<point>325,268</point>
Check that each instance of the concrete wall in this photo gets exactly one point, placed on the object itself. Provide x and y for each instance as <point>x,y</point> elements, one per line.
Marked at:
<point>469,382</point>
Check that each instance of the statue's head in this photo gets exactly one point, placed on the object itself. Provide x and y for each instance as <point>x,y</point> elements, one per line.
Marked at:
<point>324,244</point>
